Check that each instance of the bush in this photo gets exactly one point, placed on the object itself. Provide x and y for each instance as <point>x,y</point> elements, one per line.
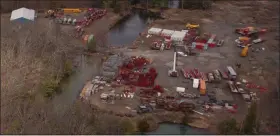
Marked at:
<point>251,125</point>
<point>228,127</point>
<point>143,126</point>
<point>67,71</point>
<point>186,119</point>
<point>92,45</point>
<point>128,127</point>
<point>50,87</point>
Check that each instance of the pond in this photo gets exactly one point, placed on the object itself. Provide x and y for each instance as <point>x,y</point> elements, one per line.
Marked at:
<point>177,129</point>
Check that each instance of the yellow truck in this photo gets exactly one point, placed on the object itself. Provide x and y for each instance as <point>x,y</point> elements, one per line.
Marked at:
<point>71,10</point>
<point>202,88</point>
<point>192,26</point>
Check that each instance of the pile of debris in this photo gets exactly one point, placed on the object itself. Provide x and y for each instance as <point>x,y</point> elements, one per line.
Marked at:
<point>250,35</point>
<point>111,65</point>
<point>92,87</point>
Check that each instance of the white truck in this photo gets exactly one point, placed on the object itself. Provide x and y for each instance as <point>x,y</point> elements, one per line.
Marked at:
<point>195,83</point>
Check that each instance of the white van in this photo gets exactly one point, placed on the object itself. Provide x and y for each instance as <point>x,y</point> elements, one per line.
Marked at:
<point>231,72</point>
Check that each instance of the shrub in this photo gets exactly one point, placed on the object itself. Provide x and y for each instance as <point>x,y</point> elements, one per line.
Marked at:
<point>186,119</point>
<point>143,126</point>
<point>50,86</point>
<point>92,45</point>
<point>228,127</point>
<point>67,71</point>
<point>127,127</point>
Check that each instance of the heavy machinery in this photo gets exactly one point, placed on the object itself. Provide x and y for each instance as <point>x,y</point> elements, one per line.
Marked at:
<point>50,13</point>
<point>173,72</point>
<point>53,13</point>
<point>192,26</point>
<point>244,51</point>
<point>250,31</point>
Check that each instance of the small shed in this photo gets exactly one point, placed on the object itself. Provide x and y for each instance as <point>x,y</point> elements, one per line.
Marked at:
<point>166,32</point>
<point>178,36</point>
<point>23,15</point>
<point>155,31</point>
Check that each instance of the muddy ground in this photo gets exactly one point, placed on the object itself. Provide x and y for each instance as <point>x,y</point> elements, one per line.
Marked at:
<point>260,67</point>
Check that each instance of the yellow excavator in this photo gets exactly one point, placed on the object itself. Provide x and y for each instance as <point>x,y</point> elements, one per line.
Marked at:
<point>244,51</point>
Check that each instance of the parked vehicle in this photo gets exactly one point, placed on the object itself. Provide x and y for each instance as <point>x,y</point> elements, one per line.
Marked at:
<point>232,87</point>
<point>231,73</point>
<point>223,74</point>
<point>210,77</point>
<point>217,75</point>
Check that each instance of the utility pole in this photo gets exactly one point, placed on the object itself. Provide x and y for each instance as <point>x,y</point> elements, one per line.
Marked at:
<point>182,4</point>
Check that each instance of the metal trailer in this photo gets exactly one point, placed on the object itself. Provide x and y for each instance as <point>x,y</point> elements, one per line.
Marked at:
<point>231,72</point>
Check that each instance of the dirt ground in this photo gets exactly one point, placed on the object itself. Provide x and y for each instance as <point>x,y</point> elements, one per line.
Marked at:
<point>261,67</point>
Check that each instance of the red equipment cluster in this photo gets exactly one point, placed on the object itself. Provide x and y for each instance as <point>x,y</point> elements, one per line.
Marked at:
<point>92,15</point>
<point>251,85</point>
<point>136,62</point>
<point>132,77</point>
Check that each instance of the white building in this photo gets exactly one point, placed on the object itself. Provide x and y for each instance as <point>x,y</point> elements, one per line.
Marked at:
<point>23,15</point>
<point>178,36</point>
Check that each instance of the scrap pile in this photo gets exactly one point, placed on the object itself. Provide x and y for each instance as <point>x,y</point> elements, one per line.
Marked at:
<point>111,65</point>
<point>171,104</point>
<point>92,87</point>
<point>132,72</point>
<point>250,35</point>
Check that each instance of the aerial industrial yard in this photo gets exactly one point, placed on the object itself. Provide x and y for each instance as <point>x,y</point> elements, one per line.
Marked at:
<point>208,65</point>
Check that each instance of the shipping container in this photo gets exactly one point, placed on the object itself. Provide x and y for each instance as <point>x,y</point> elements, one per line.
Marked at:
<point>202,87</point>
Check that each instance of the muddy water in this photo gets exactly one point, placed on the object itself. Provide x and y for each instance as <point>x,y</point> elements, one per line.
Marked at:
<point>126,31</point>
